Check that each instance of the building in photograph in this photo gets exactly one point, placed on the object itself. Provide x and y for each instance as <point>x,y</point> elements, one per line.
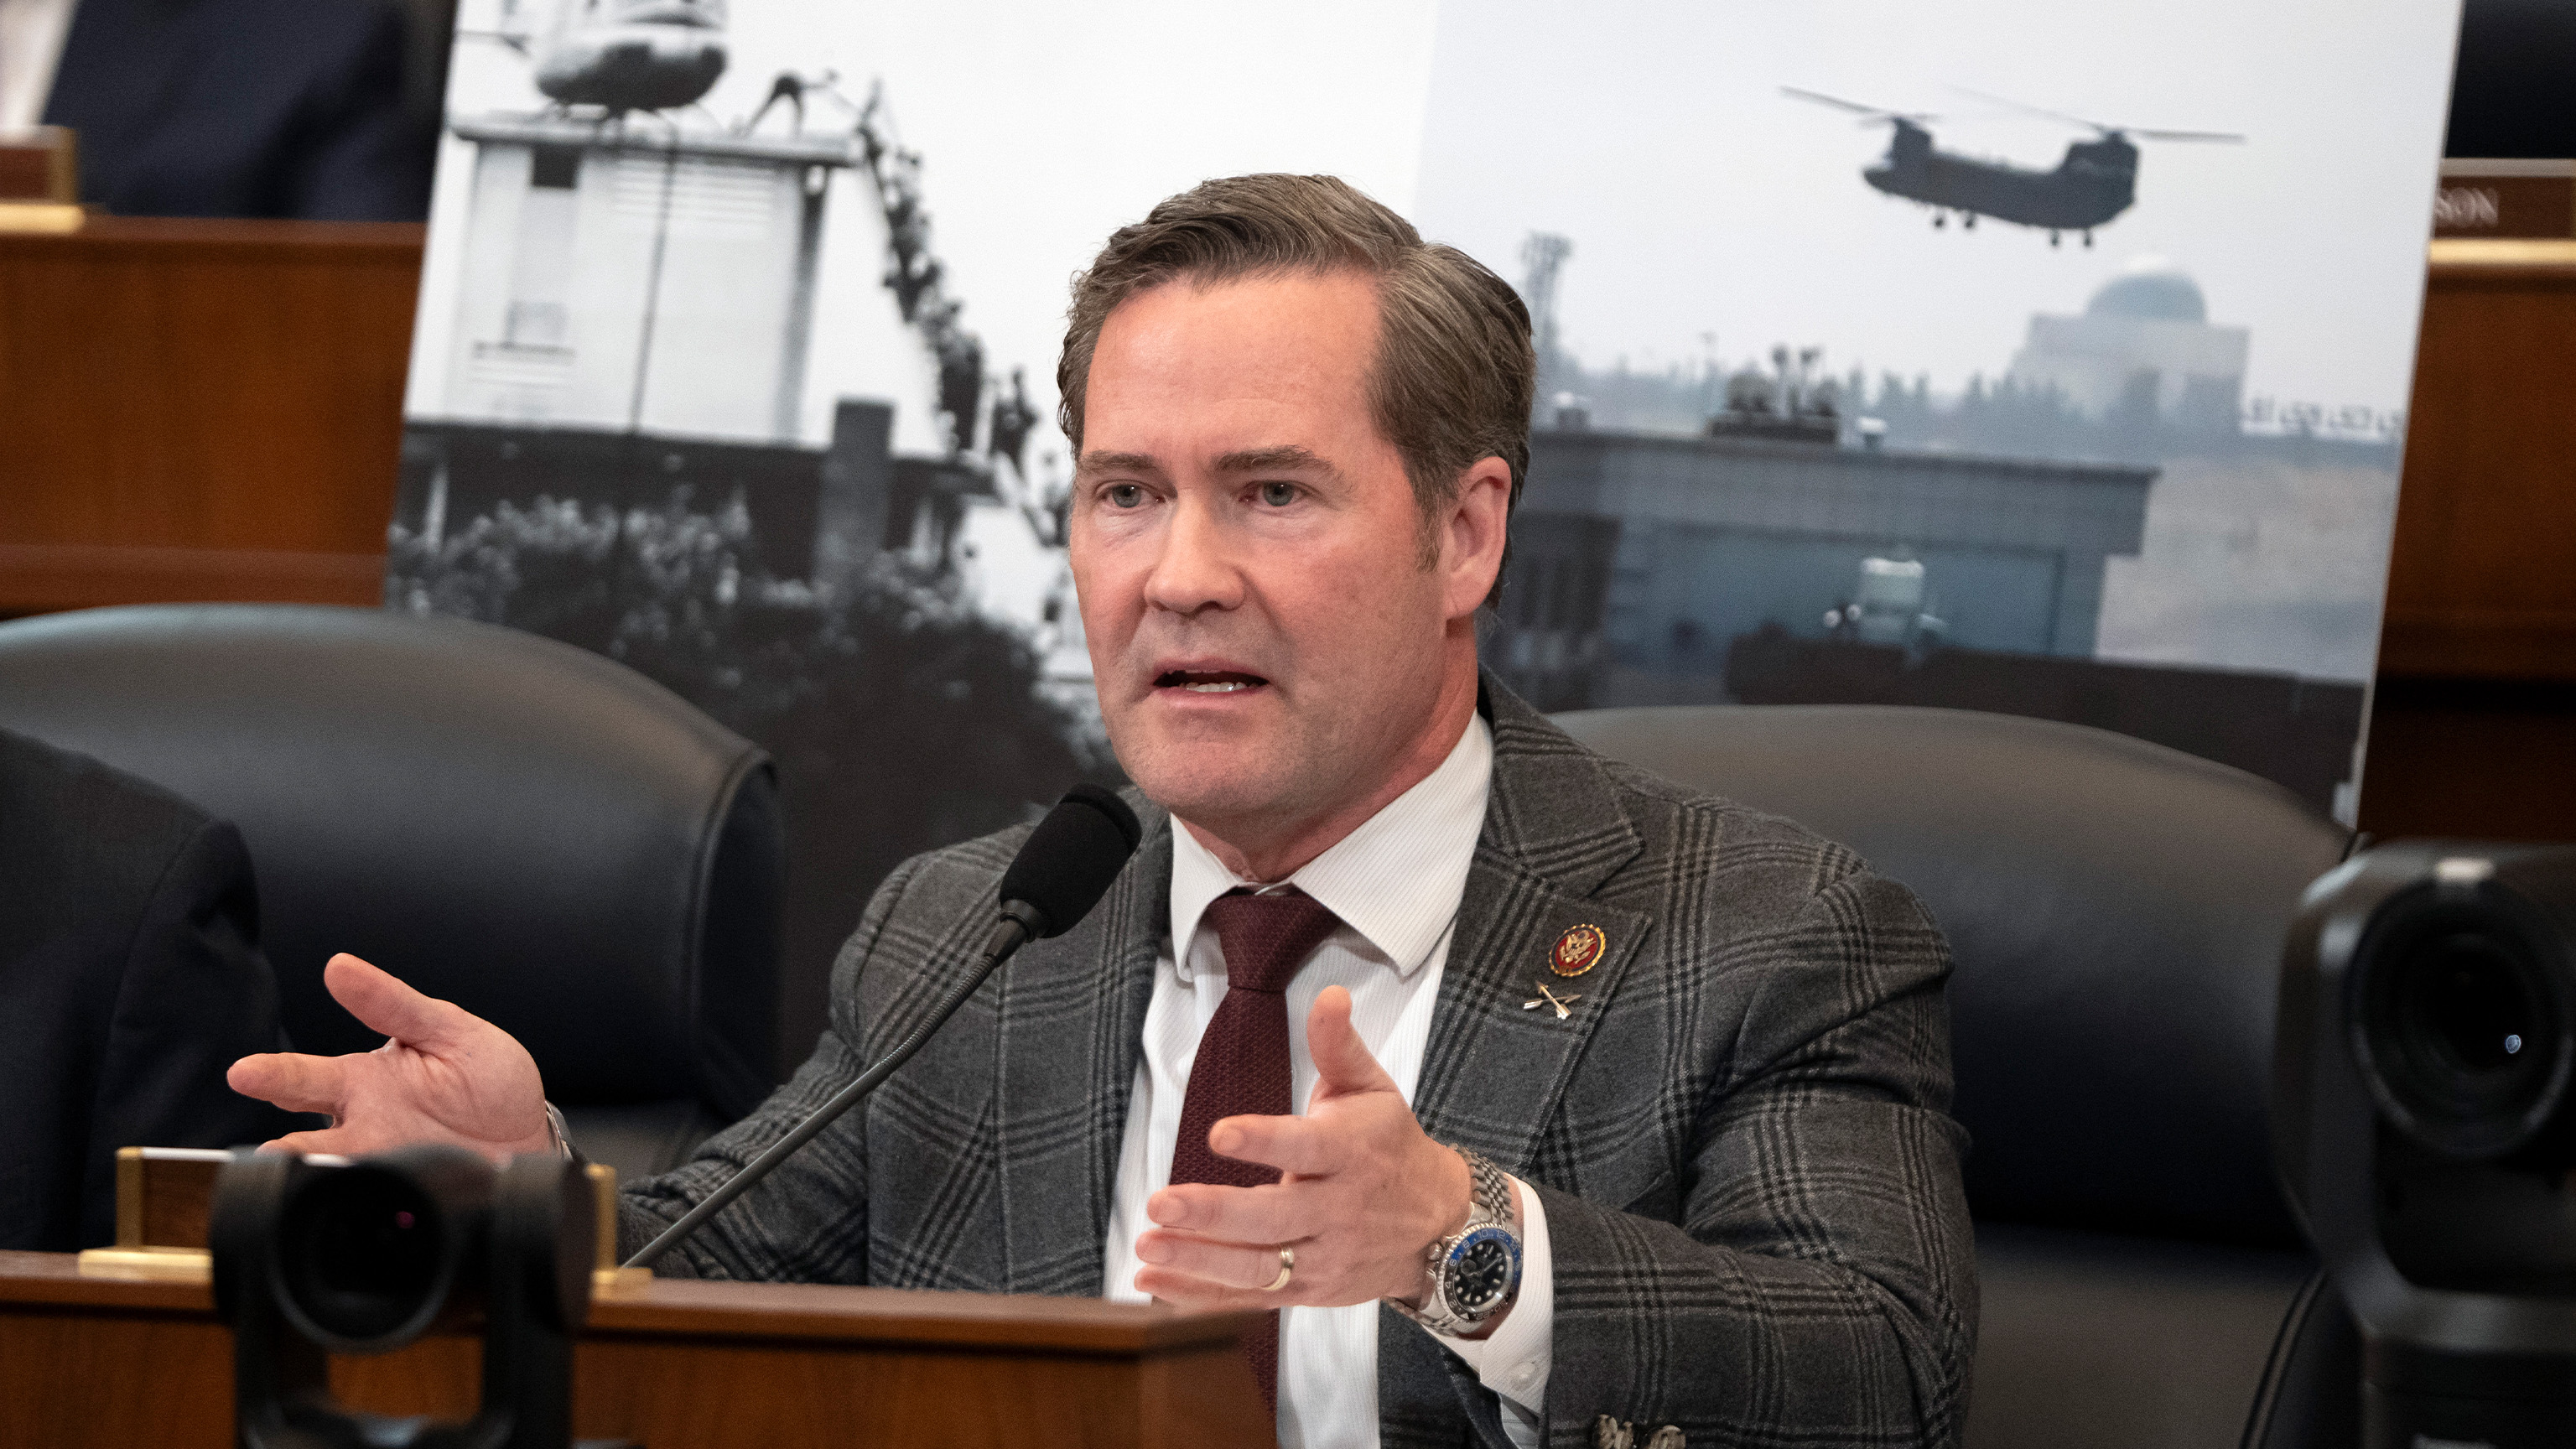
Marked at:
<point>637,300</point>
<point>1637,558</point>
<point>1737,568</point>
<point>638,277</point>
<point>2145,336</point>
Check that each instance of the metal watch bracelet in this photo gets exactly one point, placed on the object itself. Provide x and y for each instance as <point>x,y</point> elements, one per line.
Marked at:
<point>1489,1202</point>
<point>1493,1190</point>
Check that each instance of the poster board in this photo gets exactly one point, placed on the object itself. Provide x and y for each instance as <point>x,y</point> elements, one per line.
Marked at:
<point>738,327</point>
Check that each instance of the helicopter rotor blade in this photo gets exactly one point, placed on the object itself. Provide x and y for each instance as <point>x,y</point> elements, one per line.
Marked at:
<point>2142,133</point>
<point>1866,113</point>
<point>2036,110</point>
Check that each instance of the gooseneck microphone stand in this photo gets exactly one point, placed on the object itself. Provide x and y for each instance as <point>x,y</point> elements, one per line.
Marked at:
<point>1015,929</point>
<point>1062,870</point>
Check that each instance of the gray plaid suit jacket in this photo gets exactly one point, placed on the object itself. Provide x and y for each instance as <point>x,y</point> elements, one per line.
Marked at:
<point>1751,1183</point>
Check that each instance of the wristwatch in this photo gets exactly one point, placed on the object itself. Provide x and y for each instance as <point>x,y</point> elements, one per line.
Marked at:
<point>1475,1272</point>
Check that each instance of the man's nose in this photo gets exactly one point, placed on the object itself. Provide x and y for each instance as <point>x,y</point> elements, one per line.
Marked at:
<point>1197,568</point>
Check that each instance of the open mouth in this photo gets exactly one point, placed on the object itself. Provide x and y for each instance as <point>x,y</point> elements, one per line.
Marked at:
<point>1208,681</point>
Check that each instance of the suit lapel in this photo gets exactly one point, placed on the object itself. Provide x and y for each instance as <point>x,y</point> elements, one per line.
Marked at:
<point>1071,1024</point>
<point>1492,1071</point>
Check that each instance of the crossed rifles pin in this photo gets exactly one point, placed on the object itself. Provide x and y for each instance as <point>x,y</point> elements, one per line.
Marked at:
<point>1577,951</point>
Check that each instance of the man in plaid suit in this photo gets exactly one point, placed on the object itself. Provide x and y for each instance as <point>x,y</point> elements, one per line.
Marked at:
<point>1688,1061</point>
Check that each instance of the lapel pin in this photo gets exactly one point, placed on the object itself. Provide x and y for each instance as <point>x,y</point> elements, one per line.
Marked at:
<point>1578,950</point>
<point>1546,997</point>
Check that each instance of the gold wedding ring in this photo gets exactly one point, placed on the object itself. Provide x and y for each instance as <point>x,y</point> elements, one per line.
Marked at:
<point>1287,1269</point>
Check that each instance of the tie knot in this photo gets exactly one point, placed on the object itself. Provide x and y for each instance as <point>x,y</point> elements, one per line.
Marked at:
<point>1264,937</point>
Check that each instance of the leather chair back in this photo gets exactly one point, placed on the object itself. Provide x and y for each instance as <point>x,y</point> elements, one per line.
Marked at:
<point>2116,910</point>
<point>523,827</point>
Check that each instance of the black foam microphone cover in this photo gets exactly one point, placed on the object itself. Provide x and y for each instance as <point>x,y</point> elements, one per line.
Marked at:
<point>1067,863</point>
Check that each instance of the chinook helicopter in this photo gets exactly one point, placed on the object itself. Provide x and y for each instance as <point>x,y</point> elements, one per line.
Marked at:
<point>2097,180</point>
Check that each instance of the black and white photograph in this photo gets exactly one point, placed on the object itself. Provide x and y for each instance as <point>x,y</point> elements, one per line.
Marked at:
<point>736,361</point>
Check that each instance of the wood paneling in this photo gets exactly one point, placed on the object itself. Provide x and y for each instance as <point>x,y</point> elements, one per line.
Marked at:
<point>88,1361</point>
<point>2473,727</point>
<point>2482,582</point>
<point>201,410</point>
<point>38,577</point>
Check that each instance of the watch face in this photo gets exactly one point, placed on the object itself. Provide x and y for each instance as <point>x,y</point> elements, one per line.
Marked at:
<point>1482,1271</point>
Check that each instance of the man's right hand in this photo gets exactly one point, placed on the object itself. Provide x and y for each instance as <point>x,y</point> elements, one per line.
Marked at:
<point>444,1075</point>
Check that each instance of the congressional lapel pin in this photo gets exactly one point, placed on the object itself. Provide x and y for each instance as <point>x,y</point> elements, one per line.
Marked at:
<point>1545,997</point>
<point>1578,950</point>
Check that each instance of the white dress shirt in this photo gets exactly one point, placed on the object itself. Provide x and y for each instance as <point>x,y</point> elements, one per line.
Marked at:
<point>31,45</point>
<point>1395,882</point>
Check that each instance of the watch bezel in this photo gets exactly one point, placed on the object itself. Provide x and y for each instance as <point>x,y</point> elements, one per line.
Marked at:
<point>1453,1265</point>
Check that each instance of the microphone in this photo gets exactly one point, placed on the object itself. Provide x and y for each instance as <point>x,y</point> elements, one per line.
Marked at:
<point>1061,872</point>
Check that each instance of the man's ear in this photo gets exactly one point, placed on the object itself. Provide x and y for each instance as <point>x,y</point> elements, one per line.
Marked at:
<point>1472,532</point>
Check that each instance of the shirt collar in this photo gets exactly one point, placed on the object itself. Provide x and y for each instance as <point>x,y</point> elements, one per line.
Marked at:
<point>1396,879</point>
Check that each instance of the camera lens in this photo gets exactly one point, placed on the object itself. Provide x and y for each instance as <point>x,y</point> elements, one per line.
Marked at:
<point>2463,1032</point>
<point>2474,1014</point>
<point>364,1253</point>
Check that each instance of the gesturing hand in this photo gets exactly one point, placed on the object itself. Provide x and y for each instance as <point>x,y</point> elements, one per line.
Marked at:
<point>1362,1192</point>
<point>445,1075</point>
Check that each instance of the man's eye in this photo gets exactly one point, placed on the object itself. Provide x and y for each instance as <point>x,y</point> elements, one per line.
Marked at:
<point>1278,495</point>
<point>1125,495</point>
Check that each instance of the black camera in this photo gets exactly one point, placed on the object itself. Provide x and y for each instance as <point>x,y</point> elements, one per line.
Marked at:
<point>2425,1125</point>
<point>316,1256</point>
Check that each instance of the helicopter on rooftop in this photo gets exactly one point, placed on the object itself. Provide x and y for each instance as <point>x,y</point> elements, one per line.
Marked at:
<point>618,55</point>
<point>2095,181</point>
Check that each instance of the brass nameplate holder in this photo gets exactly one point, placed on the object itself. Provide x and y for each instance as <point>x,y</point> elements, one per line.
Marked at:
<point>605,1276</point>
<point>41,218</point>
<point>40,181</point>
<point>163,1195</point>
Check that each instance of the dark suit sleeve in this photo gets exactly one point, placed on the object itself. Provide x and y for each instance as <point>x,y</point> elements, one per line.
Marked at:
<point>806,1222</point>
<point>261,108</point>
<point>194,996</point>
<point>357,154</point>
<point>1819,1285</point>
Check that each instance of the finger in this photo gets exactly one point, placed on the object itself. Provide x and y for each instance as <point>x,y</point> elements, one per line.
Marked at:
<point>379,999</point>
<point>310,1143</point>
<point>1240,1266</point>
<point>1192,1292</point>
<point>292,1080</point>
<point>1197,1295</point>
<point>1302,1145</point>
<point>1285,1212</point>
<point>361,1140</point>
<point>1342,1061</point>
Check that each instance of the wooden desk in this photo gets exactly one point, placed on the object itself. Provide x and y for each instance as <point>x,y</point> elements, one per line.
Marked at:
<point>673,1365</point>
<point>201,410</point>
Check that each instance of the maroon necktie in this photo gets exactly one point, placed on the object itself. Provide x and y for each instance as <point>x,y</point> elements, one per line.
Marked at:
<point>1242,1063</point>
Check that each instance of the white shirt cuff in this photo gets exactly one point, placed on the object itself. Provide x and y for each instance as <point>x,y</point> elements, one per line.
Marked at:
<point>1513,1360</point>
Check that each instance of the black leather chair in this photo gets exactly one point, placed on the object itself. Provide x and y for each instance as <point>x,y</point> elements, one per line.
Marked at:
<point>535,832</point>
<point>2116,910</point>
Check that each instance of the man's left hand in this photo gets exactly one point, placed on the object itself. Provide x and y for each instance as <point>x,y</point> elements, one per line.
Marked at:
<point>1362,1192</point>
